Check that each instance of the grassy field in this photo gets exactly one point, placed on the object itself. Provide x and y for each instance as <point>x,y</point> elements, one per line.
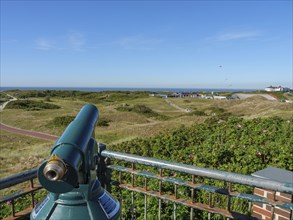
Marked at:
<point>19,153</point>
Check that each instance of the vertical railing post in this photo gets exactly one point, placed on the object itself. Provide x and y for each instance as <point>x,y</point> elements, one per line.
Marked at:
<point>103,174</point>
<point>229,188</point>
<point>145,198</point>
<point>175,205</point>
<point>210,204</point>
<point>273,207</point>
<point>32,193</point>
<point>13,207</point>
<point>120,193</point>
<point>160,192</point>
<point>145,207</point>
<point>192,198</point>
<point>132,193</point>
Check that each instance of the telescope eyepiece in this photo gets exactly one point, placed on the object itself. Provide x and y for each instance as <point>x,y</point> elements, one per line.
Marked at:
<point>55,169</point>
<point>52,175</point>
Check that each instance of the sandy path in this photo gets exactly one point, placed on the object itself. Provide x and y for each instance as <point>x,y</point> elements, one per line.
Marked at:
<point>245,96</point>
<point>176,106</point>
<point>5,103</point>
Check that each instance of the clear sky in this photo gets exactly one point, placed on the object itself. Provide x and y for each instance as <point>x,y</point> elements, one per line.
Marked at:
<point>179,44</point>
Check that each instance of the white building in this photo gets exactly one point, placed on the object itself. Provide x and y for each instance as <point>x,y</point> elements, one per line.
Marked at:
<point>219,97</point>
<point>277,89</point>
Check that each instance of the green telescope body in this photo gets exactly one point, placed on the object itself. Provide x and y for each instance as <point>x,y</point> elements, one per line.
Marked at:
<point>72,155</point>
<point>67,175</point>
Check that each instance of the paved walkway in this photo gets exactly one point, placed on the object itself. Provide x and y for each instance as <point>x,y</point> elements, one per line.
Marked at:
<point>34,134</point>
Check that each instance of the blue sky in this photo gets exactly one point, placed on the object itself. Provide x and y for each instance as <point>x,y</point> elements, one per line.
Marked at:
<point>179,44</point>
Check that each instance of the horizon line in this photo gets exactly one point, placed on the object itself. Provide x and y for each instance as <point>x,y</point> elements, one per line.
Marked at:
<point>118,87</point>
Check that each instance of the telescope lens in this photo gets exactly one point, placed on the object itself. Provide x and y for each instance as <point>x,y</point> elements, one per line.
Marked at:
<point>51,175</point>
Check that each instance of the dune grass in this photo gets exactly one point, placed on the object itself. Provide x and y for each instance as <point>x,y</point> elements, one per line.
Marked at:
<point>20,153</point>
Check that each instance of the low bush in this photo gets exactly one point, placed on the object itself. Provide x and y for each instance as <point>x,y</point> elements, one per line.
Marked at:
<point>236,145</point>
<point>62,121</point>
<point>103,122</point>
<point>198,113</point>
<point>31,105</point>
<point>143,110</point>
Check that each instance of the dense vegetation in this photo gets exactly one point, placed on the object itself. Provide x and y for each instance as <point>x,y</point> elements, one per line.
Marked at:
<point>30,105</point>
<point>235,145</point>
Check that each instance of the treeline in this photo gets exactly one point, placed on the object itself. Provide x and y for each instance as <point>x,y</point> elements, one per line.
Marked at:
<point>235,145</point>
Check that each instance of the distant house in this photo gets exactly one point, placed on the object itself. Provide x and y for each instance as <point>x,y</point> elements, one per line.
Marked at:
<point>174,95</point>
<point>219,97</point>
<point>179,95</point>
<point>184,94</point>
<point>194,95</point>
<point>277,89</point>
<point>164,96</point>
<point>206,97</point>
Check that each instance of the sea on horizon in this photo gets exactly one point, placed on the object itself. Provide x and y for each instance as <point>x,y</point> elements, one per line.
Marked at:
<point>100,89</point>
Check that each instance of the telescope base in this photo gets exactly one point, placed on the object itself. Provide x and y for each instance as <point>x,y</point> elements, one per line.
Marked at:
<point>89,201</point>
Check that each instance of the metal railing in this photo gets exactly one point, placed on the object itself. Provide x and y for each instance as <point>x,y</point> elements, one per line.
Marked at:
<point>27,176</point>
<point>190,200</point>
<point>133,176</point>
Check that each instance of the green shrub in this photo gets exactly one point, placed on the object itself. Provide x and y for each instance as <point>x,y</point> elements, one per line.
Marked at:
<point>62,121</point>
<point>31,105</point>
<point>236,145</point>
<point>103,122</point>
<point>143,110</point>
<point>47,99</point>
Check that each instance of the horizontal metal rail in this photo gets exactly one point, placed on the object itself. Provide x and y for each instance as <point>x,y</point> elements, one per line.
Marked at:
<point>203,172</point>
<point>187,202</point>
<point>10,181</point>
<point>18,178</point>
<point>199,186</point>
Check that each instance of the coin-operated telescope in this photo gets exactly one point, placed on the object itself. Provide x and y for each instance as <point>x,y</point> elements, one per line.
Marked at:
<point>74,193</point>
